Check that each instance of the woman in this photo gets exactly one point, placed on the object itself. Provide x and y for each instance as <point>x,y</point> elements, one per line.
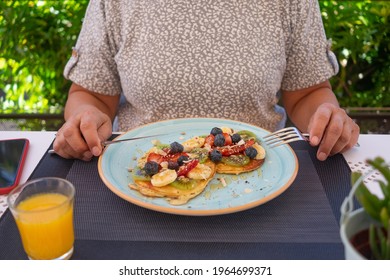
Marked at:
<point>225,59</point>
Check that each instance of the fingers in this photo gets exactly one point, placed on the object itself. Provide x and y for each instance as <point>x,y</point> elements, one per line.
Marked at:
<point>318,124</point>
<point>89,126</point>
<point>355,132</point>
<point>333,130</point>
<point>80,137</point>
<point>95,131</point>
<point>335,136</point>
<point>69,142</point>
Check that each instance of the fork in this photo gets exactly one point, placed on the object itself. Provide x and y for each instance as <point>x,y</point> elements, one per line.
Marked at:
<point>284,136</point>
<point>287,135</point>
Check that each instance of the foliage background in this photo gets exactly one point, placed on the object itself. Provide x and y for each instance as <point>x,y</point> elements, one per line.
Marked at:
<point>360,31</point>
<point>37,36</point>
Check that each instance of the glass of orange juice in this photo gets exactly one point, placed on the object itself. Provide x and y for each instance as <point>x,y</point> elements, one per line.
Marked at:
<point>43,211</point>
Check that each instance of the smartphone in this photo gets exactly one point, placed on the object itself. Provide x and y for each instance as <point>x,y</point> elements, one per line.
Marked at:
<point>12,156</point>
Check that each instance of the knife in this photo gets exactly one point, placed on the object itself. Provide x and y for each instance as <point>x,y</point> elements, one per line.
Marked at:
<point>109,142</point>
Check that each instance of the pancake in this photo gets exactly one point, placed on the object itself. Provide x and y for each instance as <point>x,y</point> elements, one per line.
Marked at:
<point>241,151</point>
<point>169,171</point>
<point>180,172</point>
<point>174,194</point>
<point>253,164</point>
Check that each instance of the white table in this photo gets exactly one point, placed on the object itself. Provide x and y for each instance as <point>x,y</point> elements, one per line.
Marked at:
<point>371,145</point>
<point>39,142</point>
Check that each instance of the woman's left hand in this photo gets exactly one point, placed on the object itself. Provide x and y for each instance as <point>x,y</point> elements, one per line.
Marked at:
<point>332,130</point>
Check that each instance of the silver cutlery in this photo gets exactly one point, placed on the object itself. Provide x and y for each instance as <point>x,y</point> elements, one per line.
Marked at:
<point>109,142</point>
<point>287,135</point>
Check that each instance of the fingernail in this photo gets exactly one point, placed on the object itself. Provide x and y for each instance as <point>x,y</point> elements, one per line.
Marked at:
<point>86,158</point>
<point>322,156</point>
<point>95,151</point>
<point>87,154</point>
<point>314,140</point>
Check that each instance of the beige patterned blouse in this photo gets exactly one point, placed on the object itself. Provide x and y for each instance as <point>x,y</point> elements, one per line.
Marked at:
<point>201,58</point>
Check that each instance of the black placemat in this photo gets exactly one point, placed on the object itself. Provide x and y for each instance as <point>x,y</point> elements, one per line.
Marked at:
<point>302,223</point>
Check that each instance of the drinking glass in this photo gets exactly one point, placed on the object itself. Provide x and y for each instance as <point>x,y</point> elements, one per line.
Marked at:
<point>43,211</point>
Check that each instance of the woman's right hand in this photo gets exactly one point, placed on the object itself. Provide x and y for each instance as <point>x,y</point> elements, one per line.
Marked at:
<point>81,135</point>
<point>89,117</point>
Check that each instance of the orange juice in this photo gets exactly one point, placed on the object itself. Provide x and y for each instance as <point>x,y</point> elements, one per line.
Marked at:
<point>45,222</point>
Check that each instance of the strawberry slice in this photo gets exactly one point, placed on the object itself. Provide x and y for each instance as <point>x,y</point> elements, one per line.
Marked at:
<point>173,157</point>
<point>187,167</point>
<point>228,139</point>
<point>209,140</point>
<point>155,157</point>
<point>236,149</point>
<point>160,158</point>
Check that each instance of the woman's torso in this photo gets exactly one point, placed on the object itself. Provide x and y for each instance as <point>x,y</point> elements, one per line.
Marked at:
<point>180,59</point>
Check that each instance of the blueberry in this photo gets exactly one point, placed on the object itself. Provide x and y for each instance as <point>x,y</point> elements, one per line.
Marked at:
<point>215,156</point>
<point>182,159</point>
<point>151,168</point>
<point>251,152</point>
<point>173,165</point>
<point>236,138</point>
<point>219,140</point>
<point>176,148</point>
<point>215,131</point>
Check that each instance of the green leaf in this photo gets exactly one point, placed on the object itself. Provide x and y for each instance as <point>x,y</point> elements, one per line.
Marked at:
<point>380,164</point>
<point>385,188</point>
<point>370,202</point>
<point>384,217</point>
<point>387,256</point>
<point>373,242</point>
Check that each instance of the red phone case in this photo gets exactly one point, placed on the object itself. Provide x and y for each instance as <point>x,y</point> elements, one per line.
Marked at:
<point>6,190</point>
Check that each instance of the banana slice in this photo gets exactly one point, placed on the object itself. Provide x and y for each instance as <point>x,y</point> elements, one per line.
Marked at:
<point>190,144</point>
<point>200,172</point>
<point>260,151</point>
<point>164,178</point>
<point>226,129</point>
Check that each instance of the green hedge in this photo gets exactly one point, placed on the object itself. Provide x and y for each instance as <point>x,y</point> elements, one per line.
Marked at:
<point>360,31</point>
<point>37,36</point>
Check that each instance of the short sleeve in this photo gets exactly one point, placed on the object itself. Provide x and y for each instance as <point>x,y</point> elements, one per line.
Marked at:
<point>309,58</point>
<point>92,64</point>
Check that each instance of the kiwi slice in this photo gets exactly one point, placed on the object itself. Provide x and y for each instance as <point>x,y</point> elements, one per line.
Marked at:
<point>183,184</point>
<point>140,175</point>
<point>236,160</point>
<point>201,154</point>
<point>246,135</point>
<point>162,146</point>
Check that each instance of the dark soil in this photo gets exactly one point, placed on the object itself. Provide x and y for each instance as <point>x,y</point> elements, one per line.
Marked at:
<point>360,242</point>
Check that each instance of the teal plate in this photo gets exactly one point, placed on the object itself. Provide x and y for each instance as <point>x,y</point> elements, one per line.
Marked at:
<point>240,192</point>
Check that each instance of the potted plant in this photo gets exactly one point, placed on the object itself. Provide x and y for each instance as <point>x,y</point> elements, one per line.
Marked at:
<point>365,232</point>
